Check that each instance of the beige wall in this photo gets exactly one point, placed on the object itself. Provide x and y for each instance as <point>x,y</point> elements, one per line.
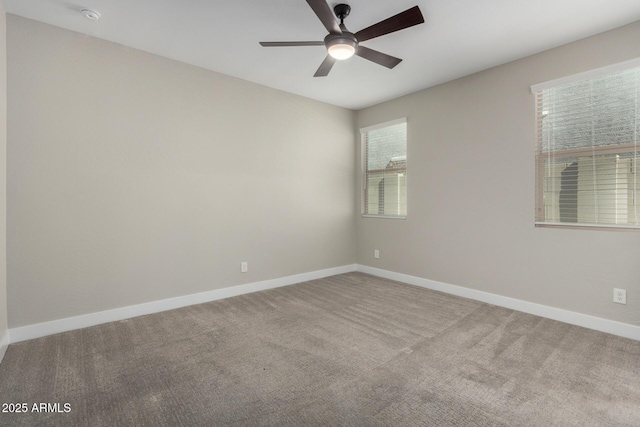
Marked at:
<point>4,339</point>
<point>471,192</point>
<point>134,178</point>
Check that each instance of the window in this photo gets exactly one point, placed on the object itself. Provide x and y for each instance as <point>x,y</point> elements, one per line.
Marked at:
<point>587,149</point>
<point>384,149</point>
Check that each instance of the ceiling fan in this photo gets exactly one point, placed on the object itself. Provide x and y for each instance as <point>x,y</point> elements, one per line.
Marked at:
<point>343,44</point>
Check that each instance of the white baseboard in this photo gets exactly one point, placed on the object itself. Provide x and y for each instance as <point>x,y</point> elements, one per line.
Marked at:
<point>597,323</point>
<point>77,322</point>
<point>62,325</point>
<point>4,343</point>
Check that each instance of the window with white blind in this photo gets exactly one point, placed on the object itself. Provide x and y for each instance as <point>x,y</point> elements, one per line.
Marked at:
<point>384,149</point>
<point>587,149</point>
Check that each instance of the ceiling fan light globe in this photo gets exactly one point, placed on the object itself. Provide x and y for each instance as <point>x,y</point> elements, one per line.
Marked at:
<point>341,51</point>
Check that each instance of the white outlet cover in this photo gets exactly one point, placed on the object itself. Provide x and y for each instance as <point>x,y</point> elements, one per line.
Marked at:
<point>619,296</point>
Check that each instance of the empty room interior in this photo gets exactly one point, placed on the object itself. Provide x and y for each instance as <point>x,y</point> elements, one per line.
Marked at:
<point>441,226</point>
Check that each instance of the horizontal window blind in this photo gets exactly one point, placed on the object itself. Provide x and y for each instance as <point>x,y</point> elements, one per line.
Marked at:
<point>587,151</point>
<point>385,170</point>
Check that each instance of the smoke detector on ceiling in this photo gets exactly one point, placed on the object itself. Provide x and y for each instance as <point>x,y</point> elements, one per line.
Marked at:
<point>90,14</point>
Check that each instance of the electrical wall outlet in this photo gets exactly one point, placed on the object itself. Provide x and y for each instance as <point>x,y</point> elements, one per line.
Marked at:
<point>244,267</point>
<point>619,296</point>
<point>376,253</point>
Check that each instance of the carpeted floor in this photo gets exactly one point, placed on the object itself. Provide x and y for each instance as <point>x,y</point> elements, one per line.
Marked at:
<point>346,350</point>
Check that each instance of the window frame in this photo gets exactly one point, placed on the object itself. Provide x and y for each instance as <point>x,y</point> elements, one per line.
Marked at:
<point>363,167</point>
<point>591,151</point>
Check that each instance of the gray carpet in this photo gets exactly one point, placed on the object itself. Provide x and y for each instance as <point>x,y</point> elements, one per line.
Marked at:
<point>347,350</point>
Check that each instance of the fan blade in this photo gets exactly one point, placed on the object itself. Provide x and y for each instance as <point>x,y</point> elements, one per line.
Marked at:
<point>406,19</point>
<point>325,67</point>
<point>281,44</point>
<point>324,13</point>
<point>377,57</point>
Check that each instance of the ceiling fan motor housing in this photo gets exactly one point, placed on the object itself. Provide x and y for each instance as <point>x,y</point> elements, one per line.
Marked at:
<point>341,46</point>
<point>345,38</point>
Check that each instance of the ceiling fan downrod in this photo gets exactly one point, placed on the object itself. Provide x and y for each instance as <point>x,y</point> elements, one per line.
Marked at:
<point>342,11</point>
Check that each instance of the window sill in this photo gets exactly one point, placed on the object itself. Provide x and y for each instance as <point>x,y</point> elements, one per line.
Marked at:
<point>580,226</point>
<point>383,216</point>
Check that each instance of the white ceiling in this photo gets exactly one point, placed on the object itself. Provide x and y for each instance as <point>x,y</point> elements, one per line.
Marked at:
<point>459,37</point>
